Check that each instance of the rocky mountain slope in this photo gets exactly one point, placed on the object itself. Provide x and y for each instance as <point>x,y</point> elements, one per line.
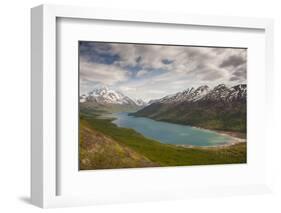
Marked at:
<point>220,108</point>
<point>108,99</point>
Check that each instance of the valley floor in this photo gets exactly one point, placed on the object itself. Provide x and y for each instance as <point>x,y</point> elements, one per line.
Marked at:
<point>103,145</point>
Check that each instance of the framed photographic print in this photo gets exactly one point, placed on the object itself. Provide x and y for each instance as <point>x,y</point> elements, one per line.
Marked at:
<point>149,106</point>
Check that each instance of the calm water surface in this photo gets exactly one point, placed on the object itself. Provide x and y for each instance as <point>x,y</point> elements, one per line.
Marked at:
<point>170,133</point>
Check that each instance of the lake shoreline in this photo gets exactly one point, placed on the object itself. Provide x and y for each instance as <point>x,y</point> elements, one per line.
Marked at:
<point>237,137</point>
<point>236,140</point>
<point>162,154</point>
<point>213,146</point>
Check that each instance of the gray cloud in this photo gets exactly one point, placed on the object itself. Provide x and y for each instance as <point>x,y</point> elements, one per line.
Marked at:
<point>152,71</point>
<point>211,75</point>
<point>233,60</point>
<point>239,74</point>
<point>234,78</point>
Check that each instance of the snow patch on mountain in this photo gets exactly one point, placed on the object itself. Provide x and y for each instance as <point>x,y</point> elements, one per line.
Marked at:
<point>140,102</point>
<point>203,93</point>
<point>83,98</point>
<point>106,95</point>
<point>190,94</point>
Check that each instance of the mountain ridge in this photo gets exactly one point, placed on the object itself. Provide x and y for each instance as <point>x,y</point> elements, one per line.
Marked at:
<point>109,100</point>
<point>220,108</point>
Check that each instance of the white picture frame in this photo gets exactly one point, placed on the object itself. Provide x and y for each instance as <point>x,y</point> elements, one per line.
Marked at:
<point>44,155</point>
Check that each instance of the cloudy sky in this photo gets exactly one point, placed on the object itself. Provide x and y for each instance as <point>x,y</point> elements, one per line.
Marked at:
<point>153,71</point>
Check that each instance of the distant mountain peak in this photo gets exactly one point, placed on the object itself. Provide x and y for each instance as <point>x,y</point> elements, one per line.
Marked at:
<point>220,86</point>
<point>203,87</point>
<point>140,102</point>
<point>105,95</point>
<point>240,86</point>
<point>219,92</point>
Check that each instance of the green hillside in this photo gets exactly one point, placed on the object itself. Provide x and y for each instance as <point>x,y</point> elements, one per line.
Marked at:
<point>104,145</point>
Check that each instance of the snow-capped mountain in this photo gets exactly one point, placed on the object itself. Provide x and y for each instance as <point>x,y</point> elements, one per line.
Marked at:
<point>238,92</point>
<point>203,93</point>
<point>187,95</point>
<point>225,94</point>
<point>219,108</point>
<point>105,96</point>
<point>140,102</point>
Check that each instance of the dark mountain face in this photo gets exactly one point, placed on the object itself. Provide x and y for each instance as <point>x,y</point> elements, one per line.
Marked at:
<point>221,93</point>
<point>220,108</point>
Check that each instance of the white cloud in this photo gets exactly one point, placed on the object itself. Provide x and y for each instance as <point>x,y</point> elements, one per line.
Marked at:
<point>187,67</point>
<point>107,74</point>
<point>142,73</point>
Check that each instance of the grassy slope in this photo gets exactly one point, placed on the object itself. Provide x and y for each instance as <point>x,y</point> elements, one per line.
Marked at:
<point>97,151</point>
<point>164,154</point>
<point>109,107</point>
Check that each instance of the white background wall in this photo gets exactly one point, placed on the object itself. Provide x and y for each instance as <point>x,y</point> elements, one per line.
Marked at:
<point>15,98</point>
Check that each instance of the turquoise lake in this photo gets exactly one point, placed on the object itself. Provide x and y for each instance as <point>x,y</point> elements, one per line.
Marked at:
<point>170,133</point>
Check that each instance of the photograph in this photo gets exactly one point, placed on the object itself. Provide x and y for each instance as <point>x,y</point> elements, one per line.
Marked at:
<point>161,105</point>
